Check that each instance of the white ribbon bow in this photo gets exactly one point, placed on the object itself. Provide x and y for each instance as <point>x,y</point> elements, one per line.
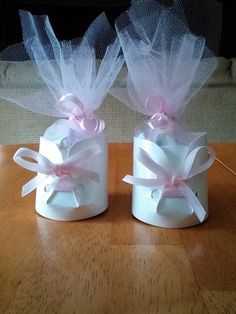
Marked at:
<point>170,184</point>
<point>61,174</point>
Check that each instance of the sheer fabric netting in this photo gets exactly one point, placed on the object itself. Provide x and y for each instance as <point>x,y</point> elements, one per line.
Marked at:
<point>83,67</point>
<point>168,62</point>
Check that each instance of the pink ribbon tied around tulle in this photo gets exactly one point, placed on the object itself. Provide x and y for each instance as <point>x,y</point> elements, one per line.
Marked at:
<point>62,174</point>
<point>161,117</point>
<point>173,185</point>
<point>86,122</point>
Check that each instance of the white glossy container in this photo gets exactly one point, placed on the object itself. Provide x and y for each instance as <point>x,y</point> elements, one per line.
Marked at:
<point>172,212</point>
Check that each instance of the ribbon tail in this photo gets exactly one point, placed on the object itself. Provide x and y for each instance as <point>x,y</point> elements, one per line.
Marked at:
<point>147,183</point>
<point>149,163</point>
<point>193,201</point>
<point>31,185</point>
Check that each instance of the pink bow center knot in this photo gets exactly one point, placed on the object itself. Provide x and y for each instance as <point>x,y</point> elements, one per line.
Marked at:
<point>60,171</point>
<point>174,181</point>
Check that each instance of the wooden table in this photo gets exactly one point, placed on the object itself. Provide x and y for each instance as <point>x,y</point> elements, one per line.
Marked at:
<point>114,263</point>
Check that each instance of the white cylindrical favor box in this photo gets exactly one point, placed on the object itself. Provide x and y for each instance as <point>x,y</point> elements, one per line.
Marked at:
<point>171,212</point>
<point>90,198</point>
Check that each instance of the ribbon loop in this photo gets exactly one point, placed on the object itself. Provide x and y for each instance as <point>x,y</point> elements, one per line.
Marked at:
<point>61,174</point>
<point>189,169</point>
<point>149,163</point>
<point>70,104</point>
<point>160,120</point>
<point>158,109</point>
<point>42,164</point>
<point>168,183</point>
<point>80,120</point>
<point>87,122</point>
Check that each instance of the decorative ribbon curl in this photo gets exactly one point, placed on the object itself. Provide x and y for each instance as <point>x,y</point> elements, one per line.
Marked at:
<point>172,185</point>
<point>61,174</point>
<point>86,122</point>
<point>156,106</point>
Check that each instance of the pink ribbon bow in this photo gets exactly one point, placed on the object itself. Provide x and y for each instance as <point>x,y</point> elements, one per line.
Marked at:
<point>61,174</point>
<point>74,109</point>
<point>172,185</point>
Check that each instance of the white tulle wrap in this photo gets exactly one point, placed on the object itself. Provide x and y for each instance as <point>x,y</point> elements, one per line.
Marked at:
<point>167,65</point>
<point>75,76</point>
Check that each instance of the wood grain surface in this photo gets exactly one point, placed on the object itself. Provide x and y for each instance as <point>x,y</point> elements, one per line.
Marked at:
<point>114,263</point>
<point>226,155</point>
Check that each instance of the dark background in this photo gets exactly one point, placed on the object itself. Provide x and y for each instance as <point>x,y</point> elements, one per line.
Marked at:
<point>70,18</point>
